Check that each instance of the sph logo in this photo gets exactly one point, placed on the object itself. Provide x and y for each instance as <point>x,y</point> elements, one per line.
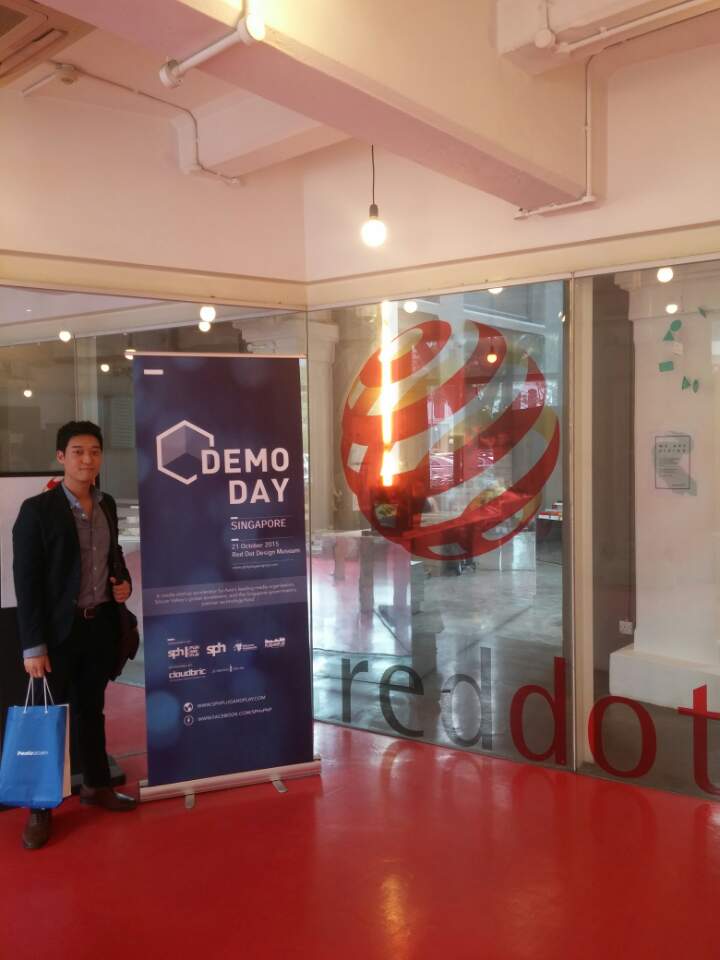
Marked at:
<point>179,450</point>
<point>448,441</point>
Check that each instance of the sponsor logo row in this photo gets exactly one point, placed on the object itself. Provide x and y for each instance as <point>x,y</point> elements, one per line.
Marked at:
<point>190,650</point>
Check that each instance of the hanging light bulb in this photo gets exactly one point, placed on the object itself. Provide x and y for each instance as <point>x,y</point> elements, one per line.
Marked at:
<point>207,314</point>
<point>492,357</point>
<point>105,367</point>
<point>254,23</point>
<point>665,274</point>
<point>204,326</point>
<point>373,231</point>
<point>65,336</point>
<point>410,306</point>
<point>27,392</point>
<point>671,308</point>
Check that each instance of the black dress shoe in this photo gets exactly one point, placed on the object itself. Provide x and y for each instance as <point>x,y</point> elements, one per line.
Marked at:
<point>37,829</point>
<point>107,798</point>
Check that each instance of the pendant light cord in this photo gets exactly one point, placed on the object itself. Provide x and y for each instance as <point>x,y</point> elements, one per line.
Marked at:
<point>372,157</point>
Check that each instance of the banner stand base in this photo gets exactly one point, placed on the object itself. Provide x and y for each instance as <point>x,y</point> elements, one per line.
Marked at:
<point>188,788</point>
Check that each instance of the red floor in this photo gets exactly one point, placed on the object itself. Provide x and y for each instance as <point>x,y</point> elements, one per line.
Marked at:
<point>401,851</point>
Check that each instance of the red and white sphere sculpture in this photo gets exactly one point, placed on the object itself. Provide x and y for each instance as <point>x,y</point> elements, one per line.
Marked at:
<point>473,440</point>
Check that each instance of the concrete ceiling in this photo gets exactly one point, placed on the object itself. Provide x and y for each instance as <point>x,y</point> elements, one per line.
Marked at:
<point>544,35</point>
<point>127,63</point>
<point>424,84</point>
<point>447,87</point>
<point>239,132</point>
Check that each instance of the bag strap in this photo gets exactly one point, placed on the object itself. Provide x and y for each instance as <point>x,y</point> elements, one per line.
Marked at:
<point>114,538</point>
<point>30,695</point>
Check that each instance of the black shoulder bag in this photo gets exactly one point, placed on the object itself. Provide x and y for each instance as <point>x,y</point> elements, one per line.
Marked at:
<point>128,636</point>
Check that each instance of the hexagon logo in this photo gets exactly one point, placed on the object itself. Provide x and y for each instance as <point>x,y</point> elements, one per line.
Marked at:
<point>179,446</point>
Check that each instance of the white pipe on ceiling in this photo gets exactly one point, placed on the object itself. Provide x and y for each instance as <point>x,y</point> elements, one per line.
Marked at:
<point>250,28</point>
<point>608,33</point>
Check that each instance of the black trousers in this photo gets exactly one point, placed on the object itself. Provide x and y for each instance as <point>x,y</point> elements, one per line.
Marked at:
<point>81,668</point>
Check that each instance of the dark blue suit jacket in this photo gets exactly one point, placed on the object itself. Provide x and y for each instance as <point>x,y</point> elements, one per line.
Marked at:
<point>46,567</point>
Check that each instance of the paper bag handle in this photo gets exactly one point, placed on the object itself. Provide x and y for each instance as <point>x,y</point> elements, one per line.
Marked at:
<point>30,695</point>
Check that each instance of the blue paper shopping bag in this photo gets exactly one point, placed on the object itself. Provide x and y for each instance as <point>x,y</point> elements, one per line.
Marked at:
<point>35,767</point>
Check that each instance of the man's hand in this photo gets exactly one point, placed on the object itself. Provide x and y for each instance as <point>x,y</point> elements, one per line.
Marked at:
<point>38,666</point>
<point>121,590</point>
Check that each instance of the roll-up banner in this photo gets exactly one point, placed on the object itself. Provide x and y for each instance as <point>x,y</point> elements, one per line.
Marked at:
<point>224,571</point>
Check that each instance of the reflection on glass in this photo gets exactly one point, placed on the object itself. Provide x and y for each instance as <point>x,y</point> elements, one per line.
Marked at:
<point>438,573</point>
<point>29,423</point>
<point>90,378</point>
<point>652,704</point>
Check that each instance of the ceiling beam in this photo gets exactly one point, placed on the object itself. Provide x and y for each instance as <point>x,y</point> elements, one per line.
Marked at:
<point>424,81</point>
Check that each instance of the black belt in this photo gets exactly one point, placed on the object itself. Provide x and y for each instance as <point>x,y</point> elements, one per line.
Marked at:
<point>89,613</point>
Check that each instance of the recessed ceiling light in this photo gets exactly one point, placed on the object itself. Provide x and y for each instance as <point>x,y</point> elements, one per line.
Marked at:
<point>671,308</point>
<point>665,274</point>
<point>410,306</point>
<point>65,336</point>
<point>496,290</point>
<point>208,313</point>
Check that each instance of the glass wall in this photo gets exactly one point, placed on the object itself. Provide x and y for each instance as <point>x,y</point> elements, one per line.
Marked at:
<point>437,467</point>
<point>437,502</point>
<point>651,679</point>
<point>90,377</point>
<point>37,395</point>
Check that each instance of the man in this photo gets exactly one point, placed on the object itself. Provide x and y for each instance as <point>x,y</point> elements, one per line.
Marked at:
<point>69,577</point>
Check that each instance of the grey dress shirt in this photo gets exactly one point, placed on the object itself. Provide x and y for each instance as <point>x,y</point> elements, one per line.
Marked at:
<point>94,537</point>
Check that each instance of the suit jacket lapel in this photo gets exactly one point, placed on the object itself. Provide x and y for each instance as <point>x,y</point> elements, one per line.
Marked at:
<point>64,514</point>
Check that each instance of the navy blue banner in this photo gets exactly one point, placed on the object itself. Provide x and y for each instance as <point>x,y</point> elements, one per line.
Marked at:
<point>222,521</point>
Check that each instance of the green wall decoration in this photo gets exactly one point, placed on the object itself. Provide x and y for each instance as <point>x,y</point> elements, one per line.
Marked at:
<point>667,366</point>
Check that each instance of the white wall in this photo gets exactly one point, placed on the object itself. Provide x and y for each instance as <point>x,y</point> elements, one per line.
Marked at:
<point>663,143</point>
<point>90,182</point>
<point>676,531</point>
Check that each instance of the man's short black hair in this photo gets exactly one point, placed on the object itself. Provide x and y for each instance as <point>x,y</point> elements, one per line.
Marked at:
<point>77,428</point>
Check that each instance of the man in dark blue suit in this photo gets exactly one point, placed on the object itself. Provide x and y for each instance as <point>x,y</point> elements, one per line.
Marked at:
<point>69,577</point>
